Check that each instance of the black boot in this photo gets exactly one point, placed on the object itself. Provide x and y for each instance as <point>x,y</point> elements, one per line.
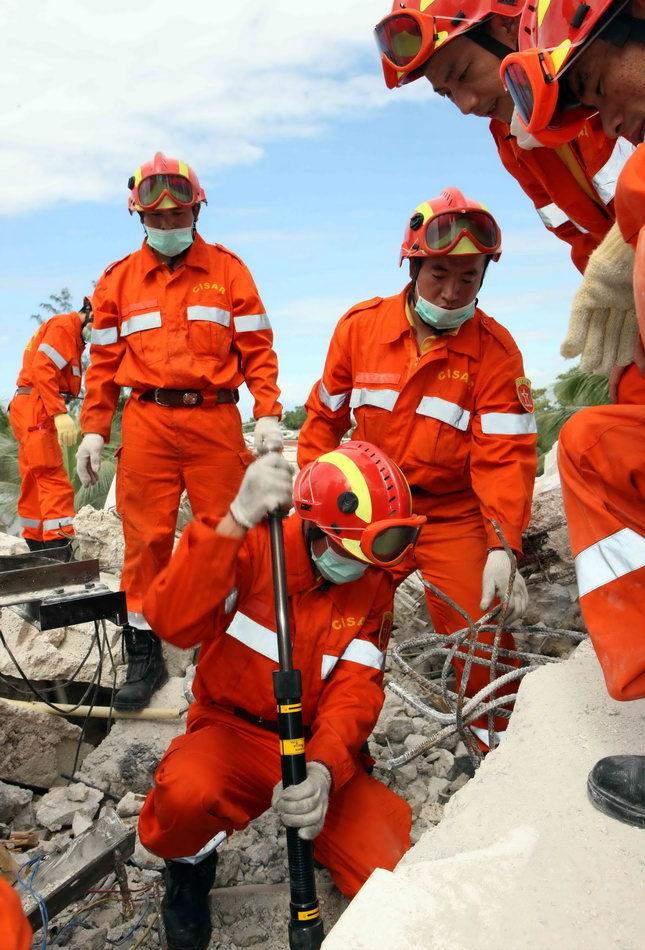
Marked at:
<point>61,548</point>
<point>185,908</point>
<point>616,786</point>
<point>146,669</point>
<point>34,545</point>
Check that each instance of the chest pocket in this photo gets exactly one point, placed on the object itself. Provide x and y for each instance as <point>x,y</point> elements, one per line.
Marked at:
<point>209,331</point>
<point>447,428</point>
<point>142,330</point>
<point>372,410</point>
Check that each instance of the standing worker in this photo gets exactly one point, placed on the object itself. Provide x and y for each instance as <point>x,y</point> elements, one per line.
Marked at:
<point>49,379</point>
<point>181,323</point>
<point>440,387</point>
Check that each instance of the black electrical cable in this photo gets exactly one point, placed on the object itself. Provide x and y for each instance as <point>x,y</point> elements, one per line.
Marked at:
<point>97,686</point>
<point>52,689</point>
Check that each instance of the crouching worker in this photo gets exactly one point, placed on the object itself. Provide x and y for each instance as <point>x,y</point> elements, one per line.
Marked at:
<point>353,517</point>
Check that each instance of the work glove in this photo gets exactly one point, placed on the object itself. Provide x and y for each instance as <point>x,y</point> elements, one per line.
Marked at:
<point>602,326</point>
<point>497,571</point>
<point>304,806</point>
<point>267,436</point>
<point>66,428</point>
<point>88,458</point>
<point>267,485</point>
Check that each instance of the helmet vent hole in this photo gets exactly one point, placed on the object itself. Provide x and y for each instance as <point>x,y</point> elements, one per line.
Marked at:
<point>348,502</point>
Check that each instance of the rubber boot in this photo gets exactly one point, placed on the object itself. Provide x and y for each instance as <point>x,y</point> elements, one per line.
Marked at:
<point>34,545</point>
<point>185,907</point>
<point>61,548</point>
<point>616,786</point>
<point>146,669</point>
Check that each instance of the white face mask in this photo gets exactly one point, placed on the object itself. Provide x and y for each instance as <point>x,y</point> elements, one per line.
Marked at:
<point>440,318</point>
<point>524,139</point>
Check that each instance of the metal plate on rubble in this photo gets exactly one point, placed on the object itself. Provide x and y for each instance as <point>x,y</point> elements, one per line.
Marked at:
<point>83,605</point>
<point>33,583</point>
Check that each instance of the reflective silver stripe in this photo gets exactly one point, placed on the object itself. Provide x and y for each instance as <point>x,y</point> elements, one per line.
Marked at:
<point>54,355</point>
<point>552,216</point>
<point>328,664</point>
<point>254,636</point>
<point>142,321</point>
<point>230,601</point>
<point>104,337</point>
<point>450,412</point>
<point>210,846</point>
<point>332,402</point>
<point>75,370</point>
<point>138,621</point>
<point>508,423</point>
<point>381,398</point>
<point>605,179</point>
<point>211,314</point>
<point>365,653</point>
<point>29,522</point>
<point>251,321</point>
<point>607,560</point>
<point>54,523</point>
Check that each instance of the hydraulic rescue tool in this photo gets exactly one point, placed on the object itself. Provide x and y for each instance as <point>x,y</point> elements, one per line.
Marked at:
<point>305,926</point>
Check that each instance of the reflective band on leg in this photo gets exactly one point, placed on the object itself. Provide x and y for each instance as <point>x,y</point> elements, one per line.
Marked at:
<point>333,402</point>
<point>607,560</point>
<point>29,522</point>
<point>54,355</point>
<point>208,848</point>
<point>138,621</point>
<point>508,423</point>
<point>52,523</point>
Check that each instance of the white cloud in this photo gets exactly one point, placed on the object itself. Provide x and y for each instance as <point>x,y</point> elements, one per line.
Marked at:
<point>89,91</point>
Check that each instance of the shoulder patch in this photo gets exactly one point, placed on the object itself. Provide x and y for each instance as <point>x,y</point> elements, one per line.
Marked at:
<point>111,266</point>
<point>524,393</point>
<point>501,334</point>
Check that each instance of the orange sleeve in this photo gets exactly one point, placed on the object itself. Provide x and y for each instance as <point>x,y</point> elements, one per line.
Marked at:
<point>630,197</point>
<point>106,353</point>
<point>55,350</point>
<point>253,339</point>
<point>328,405</point>
<point>503,458</point>
<point>14,926</point>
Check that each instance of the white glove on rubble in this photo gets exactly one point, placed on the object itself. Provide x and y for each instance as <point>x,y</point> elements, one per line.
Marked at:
<point>267,436</point>
<point>497,571</point>
<point>88,458</point>
<point>304,806</point>
<point>267,485</point>
<point>602,326</point>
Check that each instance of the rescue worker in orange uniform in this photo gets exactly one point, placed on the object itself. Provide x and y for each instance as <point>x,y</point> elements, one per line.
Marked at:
<point>602,449</point>
<point>181,323</point>
<point>15,932</point>
<point>50,377</point>
<point>440,386</point>
<point>353,518</point>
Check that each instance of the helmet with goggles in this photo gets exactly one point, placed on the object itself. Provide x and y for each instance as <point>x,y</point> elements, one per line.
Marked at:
<point>416,29</point>
<point>360,499</point>
<point>164,183</point>
<point>451,224</point>
<point>552,35</point>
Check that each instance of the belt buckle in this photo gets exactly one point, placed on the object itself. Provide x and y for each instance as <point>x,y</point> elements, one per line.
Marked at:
<point>155,396</point>
<point>190,398</point>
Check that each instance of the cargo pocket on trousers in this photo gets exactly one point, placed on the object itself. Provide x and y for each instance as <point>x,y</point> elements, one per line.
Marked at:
<point>41,448</point>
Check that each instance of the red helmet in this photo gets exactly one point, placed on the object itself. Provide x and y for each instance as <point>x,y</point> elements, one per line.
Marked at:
<point>451,224</point>
<point>164,183</point>
<point>415,29</point>
<point>359,498</point>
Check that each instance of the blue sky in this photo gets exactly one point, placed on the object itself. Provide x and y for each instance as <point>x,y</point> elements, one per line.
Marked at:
<point>311,169</point>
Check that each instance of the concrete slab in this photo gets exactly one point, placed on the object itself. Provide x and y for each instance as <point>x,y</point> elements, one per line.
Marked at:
<point>521,858</point>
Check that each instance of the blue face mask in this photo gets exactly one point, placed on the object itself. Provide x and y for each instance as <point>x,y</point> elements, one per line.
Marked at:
<point>442,319</point>
<point>336,568</point>
<point>170,243</point>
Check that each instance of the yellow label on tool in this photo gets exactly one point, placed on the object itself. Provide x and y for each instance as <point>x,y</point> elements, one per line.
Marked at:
<point>294,707</point>
<point>292,746</point>
<point>309,914</point>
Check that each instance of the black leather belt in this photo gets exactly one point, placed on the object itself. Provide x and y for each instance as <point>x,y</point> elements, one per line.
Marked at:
<point>269,724</point>
<point>186,398</point>
<point>26,391</point>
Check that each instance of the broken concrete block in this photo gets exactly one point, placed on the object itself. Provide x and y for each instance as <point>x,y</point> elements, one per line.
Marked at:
<point>36,747</point>
<point>58,807</point>
<point>130,805</point>
<point>436,786</point>
<point>13,800</point>
<point>9,545</point>
<point>441,762</point>
<point>99,534</point>
<point>431,813</point>
<point>398,729</point>
<point>80,823</point>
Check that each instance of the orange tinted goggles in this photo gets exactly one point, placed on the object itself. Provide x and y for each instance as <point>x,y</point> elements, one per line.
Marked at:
<point>444,232</point>
<point>154,189</point>
<point>405,40</point>
<point>386,543</point>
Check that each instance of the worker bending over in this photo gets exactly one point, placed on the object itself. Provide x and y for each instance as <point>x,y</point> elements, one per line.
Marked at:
<point>49,379</point>
<point>179,321</point>
<point>353,518</point>
<point>440,387</point>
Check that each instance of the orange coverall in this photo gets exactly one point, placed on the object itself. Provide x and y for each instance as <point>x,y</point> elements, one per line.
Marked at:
<point>601,457</point>
<point>452,419</point>
<point>219,776</point>
<point>51,367</point>
<point>572,187</point>
<point>198,327</point>
<point>15,932</point>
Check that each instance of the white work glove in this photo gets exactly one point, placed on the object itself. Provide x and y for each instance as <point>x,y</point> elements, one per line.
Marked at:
<point>267,436</point>
<point>602,326</point>
<point>66,428</point>
<point>88,458</point>
<point>304,806</point>
<point>266,486</point>
<point>497,571</point>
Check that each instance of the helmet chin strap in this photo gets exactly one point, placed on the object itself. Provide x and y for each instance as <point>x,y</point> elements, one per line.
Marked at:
<point>624,28</point>
<point>480,35</point>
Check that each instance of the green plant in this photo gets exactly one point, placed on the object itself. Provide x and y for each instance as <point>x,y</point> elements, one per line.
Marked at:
<point>573,390</point>
<point>294,418</point>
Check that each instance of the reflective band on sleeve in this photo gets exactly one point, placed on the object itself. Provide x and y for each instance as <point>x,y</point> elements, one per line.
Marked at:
<point>211,314</point>
<point>104,337</point>
<point>381,398</point>
<point>54,355</point>
<point>52,523</point>
<point>75,371</point>
<point>332,402</point>
<point>449,412</point>
<point>142,321</point>
<point>552,216</point>
<point>254,636</point>
<point>605,179</point>
<point>607,560</point>
<point>29,522</point>
<point>252,321</point>
<point>358,651</point>
<point>508,423</point>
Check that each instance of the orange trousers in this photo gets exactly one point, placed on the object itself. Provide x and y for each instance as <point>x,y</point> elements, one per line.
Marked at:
<point>601,457</point>
<point>163,452</point>
<point>46,502</point>
<point>220,775</point>
<point>15,932</point>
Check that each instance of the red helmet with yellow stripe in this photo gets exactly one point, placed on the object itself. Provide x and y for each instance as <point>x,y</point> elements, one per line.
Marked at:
<point>164,183</point>
<point>451,224</point>
<point>360,499</point>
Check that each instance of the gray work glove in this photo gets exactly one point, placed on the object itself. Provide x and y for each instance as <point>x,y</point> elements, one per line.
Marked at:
<point>88,458</point>
<point>267,436</point>
<point>497,571</point>
<point>304,806</point>
<point>267,485</point>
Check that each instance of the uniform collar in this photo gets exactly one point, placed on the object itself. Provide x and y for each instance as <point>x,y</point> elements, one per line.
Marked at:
<point>196,256</point>
<point>466,340</point>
